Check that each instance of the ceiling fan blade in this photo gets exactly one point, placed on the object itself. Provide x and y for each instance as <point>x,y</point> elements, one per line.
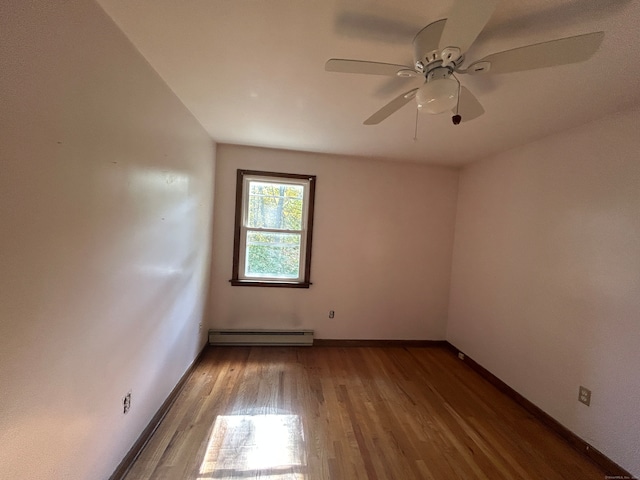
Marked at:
<point>427,40</point>
<point>469,107</point>
<point>465,22</point>
<point>368,68</point>
<point>391,107</point>
<point>547,54</point>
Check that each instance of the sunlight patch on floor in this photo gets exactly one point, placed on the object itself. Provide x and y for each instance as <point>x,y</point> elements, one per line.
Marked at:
<point>255,446</point>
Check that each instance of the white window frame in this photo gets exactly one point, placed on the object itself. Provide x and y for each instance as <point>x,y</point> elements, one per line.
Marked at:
<point>245,177</point>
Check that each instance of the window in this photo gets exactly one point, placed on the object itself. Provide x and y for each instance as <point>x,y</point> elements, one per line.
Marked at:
<point>274,223</point>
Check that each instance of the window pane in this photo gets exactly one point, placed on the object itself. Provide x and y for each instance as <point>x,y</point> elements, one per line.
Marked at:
<point>273,205</point>
<point>275,255</point>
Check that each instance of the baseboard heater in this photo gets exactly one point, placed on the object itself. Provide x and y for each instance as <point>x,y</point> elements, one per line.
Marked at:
<point>261,337</point>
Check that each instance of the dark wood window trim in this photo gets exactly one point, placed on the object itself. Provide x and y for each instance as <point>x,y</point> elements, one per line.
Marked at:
<point>235,276</point>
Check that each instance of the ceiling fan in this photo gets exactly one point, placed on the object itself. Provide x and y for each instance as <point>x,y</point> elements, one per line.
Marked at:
<point>438,54</point>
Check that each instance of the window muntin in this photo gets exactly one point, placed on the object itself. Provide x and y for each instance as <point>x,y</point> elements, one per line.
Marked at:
<point>273,229</point>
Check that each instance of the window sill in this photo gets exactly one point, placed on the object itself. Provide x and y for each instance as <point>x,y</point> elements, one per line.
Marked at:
<point>265,283</point>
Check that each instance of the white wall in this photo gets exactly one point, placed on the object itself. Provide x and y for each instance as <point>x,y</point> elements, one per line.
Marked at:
<point>381,248</point>
<point>105,218</point>
<point>546,277</point>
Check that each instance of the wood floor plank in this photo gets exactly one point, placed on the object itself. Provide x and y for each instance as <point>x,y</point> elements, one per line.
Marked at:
<point>318,413</point>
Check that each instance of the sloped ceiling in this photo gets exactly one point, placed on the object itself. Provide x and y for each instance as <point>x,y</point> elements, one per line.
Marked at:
<point>252,72</point>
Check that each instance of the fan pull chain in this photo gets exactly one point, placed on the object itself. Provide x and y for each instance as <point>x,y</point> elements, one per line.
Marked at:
<point>456,119</point>
<point>459,88</point>
<point>415,133</point>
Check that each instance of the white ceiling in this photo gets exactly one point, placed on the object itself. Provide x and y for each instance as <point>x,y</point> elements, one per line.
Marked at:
<point>252,71</point>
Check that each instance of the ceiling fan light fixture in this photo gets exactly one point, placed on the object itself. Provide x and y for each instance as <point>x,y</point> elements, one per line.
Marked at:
<point>437,96</point>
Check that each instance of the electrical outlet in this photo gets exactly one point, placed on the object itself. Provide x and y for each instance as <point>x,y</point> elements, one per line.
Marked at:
<point>584,395</point>
<point>461,355</point>
<point>126,403</point>
<point>332,314</point>
<point>200,326</point>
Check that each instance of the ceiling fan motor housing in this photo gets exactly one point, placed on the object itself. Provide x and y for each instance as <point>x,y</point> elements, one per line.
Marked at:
<point>438,72</point>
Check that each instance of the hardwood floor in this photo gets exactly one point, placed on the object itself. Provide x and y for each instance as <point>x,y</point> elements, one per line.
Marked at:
<point>316,413</point>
